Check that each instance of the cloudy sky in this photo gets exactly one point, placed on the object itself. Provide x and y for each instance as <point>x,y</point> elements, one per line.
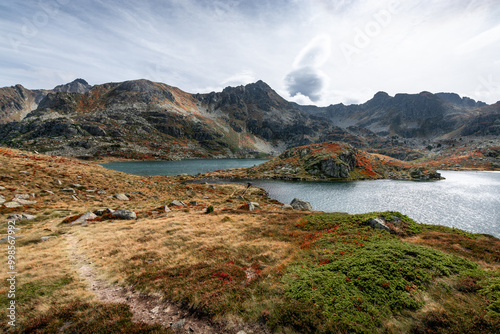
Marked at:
<point>309,51</point>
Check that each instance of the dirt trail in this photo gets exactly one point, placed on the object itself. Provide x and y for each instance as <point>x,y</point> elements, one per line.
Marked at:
<point>149,309</point>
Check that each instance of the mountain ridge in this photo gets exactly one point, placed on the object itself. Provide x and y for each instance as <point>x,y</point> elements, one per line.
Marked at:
<point>141,119</point>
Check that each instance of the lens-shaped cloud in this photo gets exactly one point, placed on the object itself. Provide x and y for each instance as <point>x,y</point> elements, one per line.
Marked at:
<point>314,54</point>
<point>306,81</point>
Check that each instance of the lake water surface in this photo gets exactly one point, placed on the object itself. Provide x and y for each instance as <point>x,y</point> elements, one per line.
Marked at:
<point>465,200</point>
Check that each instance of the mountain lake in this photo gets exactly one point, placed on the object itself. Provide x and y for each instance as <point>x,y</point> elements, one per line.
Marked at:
<point>466,200</point>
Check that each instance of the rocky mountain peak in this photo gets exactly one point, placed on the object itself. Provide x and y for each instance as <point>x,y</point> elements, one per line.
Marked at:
<point>76,86</point>
<point>460,101</point>
<point>141,90</point>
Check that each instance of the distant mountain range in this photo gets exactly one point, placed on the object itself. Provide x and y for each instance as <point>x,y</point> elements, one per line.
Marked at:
<point>144,119</point>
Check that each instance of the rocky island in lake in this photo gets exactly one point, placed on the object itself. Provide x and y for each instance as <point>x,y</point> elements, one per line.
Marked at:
<point>331,161</point>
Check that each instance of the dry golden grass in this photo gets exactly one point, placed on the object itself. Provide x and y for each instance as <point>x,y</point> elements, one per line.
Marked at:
<point>231,257</point>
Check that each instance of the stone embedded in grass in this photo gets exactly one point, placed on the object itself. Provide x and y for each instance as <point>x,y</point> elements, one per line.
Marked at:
<point>176,203</point>
<point>179,325</point>
<point>22,196</point>
<point>12,204</point>
<point>21,216</point>
<point>124,214</point>
<point>287,207</point>
<point>15,236</point>
<point>23,201</point>
<point>84,218</point>
<point>299,204</point>
<point>121,197</point>
<point>101,212</point>
<point>69,190</point>
<point>45,238</point>
<point>379,224</point>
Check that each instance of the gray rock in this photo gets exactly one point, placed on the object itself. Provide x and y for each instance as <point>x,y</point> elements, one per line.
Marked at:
<point>176,203</point>
<point>164,208</point>
<point>76,185</point>
<point>193,203</point>
<point>124,214</point>
<point>2,199</point>
<point>22,216</point>
<point>23,201</point>
<point>5,239</point>
<point>287,207</point>
<point>136,193</point>
<point>101,192</point>
<point>299,204</point>
<point>101,212</point>
<point>251,207</point>
<point>74,198</point>
<point>378,223</point>
<point>69,190</point>
<point>12,204</point>
<point>49,192</point>
<point>45,238</point>
<point>121,197</point>
<point>255,204</point>
<point>179,324</point>
<point>241,332</point>
<point>84,218</point>
<point>2,188</point>
<point>22,196</point>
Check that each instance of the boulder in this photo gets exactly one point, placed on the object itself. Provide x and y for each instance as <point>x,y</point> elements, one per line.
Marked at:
<point>179,325</point>
<point>22,196</point>
<point>121,197</point>
<point>23,201</point>
<point>176,203</point>
<point>12,204</point>
<point>124,214</point>
<point>15,236</point>
<point>84,218</point>
<point>299,204</point>
<point>22,216</point>
<point>378,223</point>
<point>287,207</point>
<point>101,212</point>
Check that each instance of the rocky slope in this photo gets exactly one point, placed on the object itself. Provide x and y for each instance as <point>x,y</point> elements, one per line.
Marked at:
<point>16,101</point>
<point>143,119</point>
<point>329,161</point>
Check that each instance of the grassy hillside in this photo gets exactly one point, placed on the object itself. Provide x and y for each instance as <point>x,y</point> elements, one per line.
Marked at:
<point>267,270</point>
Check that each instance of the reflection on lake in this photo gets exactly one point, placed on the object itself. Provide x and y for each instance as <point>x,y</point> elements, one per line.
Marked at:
<point>466,200</point>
